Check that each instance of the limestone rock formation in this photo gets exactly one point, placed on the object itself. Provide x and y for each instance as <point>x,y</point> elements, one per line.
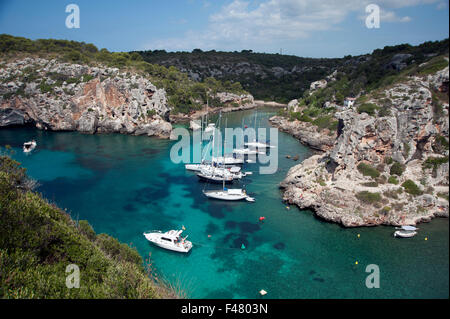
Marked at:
<point>63,96</point>
<point>387,169</point>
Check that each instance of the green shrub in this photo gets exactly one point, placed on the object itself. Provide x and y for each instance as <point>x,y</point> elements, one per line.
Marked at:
<point>370,184</point>
<point>368,197</point>
<point>435,162</point>
<point>397,169</point>
<point>38,241</point>
<point>392,180</point>
<point>411,188</point>
<point>368,170</point>
<point>87,229</point>
<point>151,113</point>
<point>87,77</point>
<point>45,88</point>
<point>368,108</point>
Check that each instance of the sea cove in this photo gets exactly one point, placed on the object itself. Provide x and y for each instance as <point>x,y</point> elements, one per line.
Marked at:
<point>124,185</point>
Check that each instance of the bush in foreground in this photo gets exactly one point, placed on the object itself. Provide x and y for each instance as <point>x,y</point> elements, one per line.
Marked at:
<point>38,241</point>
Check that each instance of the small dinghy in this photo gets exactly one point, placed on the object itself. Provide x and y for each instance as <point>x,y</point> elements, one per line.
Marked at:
<point>170,240</point>
<point>29,146</point>
<point>405,231</point>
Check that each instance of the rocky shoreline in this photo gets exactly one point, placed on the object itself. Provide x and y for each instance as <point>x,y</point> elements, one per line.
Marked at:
<point>71,97</point>
<point>385,170</point>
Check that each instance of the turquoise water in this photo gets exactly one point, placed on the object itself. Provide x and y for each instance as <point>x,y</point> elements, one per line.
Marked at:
<point>124,185</point>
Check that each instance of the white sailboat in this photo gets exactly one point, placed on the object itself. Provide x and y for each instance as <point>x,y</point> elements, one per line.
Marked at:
<point>227,160</point>
<point>230,194</point>
<point>257,144</point>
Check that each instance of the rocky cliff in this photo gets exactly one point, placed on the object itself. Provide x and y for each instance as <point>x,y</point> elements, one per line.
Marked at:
<point>63,96</point>
<point>306,133</point>
<point>390,167</point>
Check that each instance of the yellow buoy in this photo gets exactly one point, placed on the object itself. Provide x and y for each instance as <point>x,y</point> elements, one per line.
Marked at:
<point>359,235</point>
<point>356,262</point>
<point>426,238</point>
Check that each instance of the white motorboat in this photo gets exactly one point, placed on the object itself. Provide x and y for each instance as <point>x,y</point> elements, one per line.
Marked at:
<point>170,240</point>
<point>405,231</point>
<point>232,194</point>
<point>29,146</point>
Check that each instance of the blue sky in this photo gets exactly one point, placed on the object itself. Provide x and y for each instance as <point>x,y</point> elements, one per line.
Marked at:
<point>312,28</point>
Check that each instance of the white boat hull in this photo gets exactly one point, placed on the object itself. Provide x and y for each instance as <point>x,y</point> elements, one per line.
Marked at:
<point>402,234</point>
<point>228,196</point>
<point>155,238</point>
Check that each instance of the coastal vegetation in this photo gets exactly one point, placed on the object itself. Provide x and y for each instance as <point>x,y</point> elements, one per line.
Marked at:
<point>38,241</point>
<point>184,95</point>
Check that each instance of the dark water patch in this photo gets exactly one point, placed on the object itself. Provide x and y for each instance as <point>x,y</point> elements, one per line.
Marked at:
<point>62,187</point>
<point>254,274</point>
<point>230,224</point>
<point>319,279</point>
<point>312,272</point>
<point>216,211</point>
<point>150,151</point>
<point>149,195</point>
<point>94,164</point>
<point>248,227</point>
<point>129,208</point>
<point>212,228</point>
<point>220,294</point>
<point>279,246</point>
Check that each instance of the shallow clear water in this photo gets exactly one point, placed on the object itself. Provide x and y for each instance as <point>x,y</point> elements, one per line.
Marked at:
<point>124,185</point>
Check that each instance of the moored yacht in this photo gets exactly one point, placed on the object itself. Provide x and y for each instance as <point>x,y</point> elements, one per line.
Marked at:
<point>405,231</point>
<point>29,146</point>
<point>232,194</point>
<point>227,160</point>
<point>170,240</point>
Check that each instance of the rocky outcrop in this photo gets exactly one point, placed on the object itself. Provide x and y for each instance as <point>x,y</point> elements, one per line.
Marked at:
<point>62,96</point>
<point>317,85</point>
<point>231,102</point>
<point>355,183</point>
<point>305,132</point>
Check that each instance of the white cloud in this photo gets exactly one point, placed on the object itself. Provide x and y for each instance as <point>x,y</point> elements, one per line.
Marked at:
<point>241,25</point>
<point>442,6</point>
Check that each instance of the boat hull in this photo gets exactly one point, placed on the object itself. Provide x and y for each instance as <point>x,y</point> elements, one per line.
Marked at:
<point>401,234</point>
<point>154,239</point>
<point>218,180</point>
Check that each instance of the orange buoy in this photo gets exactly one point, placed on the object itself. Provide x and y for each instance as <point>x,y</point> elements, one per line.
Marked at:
<point>261,218</point>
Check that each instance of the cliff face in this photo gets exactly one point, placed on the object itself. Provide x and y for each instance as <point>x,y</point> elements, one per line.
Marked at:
<point>390,169</point>
<point>62,96</point>
<point>306,133</point>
